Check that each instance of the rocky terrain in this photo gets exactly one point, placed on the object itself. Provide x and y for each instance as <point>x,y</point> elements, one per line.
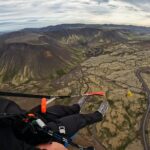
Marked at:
<point>114,73</point>
<point>106,60</point>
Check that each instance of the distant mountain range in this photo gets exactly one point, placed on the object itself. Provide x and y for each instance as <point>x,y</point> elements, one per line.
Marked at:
<point>97,26</point>
<point>51,51</point>
<point>2,33</point>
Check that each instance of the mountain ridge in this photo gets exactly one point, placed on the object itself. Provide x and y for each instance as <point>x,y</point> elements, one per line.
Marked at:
<point>78,25</point>
<point>57,49</point>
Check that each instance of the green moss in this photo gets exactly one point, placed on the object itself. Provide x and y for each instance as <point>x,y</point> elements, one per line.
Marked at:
<point>60,72</point>
<point>128,120</point>
<point>106,133</point>
<point>111,103</point>
<point>7,76</point>
<point>129,111</point>
<point>124,144</point>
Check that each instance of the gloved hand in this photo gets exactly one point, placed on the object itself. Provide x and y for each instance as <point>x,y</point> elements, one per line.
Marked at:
<point>52,146</point>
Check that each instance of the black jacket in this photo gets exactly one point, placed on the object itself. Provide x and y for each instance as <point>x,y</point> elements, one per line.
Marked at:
<point>8,140</point>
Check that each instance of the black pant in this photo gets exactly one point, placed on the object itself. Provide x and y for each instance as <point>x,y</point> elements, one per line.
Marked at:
<point>70,117</point>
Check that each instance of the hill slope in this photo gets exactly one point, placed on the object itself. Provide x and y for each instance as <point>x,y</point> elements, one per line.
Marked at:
<point>50,52</point>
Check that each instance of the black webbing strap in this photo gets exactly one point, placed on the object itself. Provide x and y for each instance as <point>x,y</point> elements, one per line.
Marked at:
<point>29,95</point>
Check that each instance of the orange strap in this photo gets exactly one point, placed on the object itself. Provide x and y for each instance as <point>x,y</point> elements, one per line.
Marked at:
<point>101,93</point>
<point>43,105</point>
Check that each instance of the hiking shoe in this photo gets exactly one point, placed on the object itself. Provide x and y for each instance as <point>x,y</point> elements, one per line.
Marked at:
<point>82,101</point>
<point>103,108</point>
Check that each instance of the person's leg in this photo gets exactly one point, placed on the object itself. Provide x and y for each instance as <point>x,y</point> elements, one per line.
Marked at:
<point>59,111</point>
<point>75,122</point>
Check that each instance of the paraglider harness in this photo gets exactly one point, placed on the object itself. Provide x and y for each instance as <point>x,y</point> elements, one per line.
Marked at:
<point>36,124</point>
<point>33,122</point>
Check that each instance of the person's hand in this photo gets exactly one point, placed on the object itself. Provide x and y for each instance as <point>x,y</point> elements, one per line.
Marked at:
<point>52,146</point>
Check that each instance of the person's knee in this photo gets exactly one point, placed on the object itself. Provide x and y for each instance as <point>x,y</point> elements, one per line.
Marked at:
<point>76,108</point>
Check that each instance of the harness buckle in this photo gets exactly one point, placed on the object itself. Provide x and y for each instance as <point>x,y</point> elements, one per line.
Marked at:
<point>62,130</point>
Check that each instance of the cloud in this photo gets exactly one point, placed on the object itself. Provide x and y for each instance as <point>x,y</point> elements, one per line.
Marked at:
<point>18,14</point>
<point>137,1</point>
<point>101,1</point>
<point>143,4</point>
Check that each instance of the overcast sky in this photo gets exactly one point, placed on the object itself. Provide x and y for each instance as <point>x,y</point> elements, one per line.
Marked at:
<point>18,14</point>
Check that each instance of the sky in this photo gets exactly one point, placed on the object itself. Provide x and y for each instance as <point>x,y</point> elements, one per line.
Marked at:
<point>19,14</point>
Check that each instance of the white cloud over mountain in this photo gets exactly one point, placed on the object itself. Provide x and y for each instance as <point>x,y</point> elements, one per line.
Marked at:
<point>17,14</point>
